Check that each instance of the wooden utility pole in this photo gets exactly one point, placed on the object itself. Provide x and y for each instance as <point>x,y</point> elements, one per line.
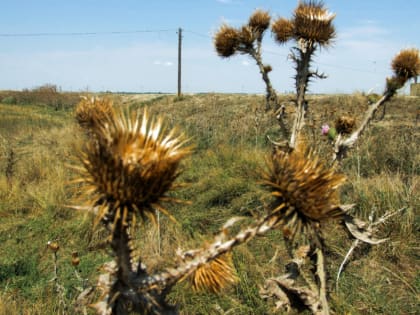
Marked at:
<point>179,60</point>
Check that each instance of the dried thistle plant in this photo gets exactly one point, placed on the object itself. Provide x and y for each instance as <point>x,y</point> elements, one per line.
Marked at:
<point>305,192</point>
<point>283,30</point>
<point>247,40</point>
<point>345,124</point>
<point>259,22</point>
<point>90,111</point>
<point>313,23</point>
<point>130,166</point>
<point>226,41</point>
<point>214,276</point>
<point>311,27</point>
<point>406,64</point>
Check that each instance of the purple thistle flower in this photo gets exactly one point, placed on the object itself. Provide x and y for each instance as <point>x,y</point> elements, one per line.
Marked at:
<point>325,129</point>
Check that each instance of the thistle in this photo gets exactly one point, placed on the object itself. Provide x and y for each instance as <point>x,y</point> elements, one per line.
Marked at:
<point>313,23</point>
<point>259,22</point>
<point>406,64</point>
<point>130,166</point>
<point>91,111</point>
<point>215,275</point>
<point>226,41</point>
<point>246,38</point>
<point>305,191</point>
<point>283,30</point>
<point>345,124</point>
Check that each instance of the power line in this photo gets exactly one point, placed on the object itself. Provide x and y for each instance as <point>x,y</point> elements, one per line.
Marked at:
<point>46,34</point>
<point>83,33</point>
<point>329,65</point>
<point>197,34</point>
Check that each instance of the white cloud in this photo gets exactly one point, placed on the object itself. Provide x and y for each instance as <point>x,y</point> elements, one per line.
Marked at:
<point>245,63</point>
<point>364,29</point>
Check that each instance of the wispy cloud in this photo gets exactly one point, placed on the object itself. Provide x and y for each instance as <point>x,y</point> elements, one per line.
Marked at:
<point>363,30</point>
<point>163,63</point>
<point>245,63</point>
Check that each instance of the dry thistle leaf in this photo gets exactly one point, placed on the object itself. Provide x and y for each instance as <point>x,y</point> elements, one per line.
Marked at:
<point>283,30</point>
<point>215,275</point>
<point>130,166</point>
<point>226,41</point>
<point>305,191</point>
<point>313,23</point>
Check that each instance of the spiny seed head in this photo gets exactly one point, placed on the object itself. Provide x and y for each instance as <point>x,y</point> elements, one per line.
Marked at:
<point>214,276</point>
<point>305,191</point>
<point>345,124</point>
<point>406,64</point>
<point>313,23</point>
<point>259,21</point>
<point>247,37</point>
<point>283,30</point>
<point>130,166</point>
<point>226,41</point>
<point>90,111</point>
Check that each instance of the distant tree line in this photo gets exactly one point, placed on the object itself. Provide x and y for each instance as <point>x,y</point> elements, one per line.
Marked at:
<point>47,94</point>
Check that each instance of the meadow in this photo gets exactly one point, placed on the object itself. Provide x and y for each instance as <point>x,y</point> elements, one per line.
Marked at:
<point>39,141</point>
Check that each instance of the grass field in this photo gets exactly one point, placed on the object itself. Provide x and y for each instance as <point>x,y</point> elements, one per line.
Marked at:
<point>229,132</point>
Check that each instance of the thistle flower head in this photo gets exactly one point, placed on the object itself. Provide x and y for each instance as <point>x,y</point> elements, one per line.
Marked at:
<point>259,21</point>
<point>305,191</point>
<point>90,111</point>
<point>215,275</point>
<point>130,166</point>
<point>345,124</point>
<point>313,23</point>
<point>246,37</point>
<point>283,30</point>
<point>406,64</point>
<point>226,41</point>
<point>324,129</point>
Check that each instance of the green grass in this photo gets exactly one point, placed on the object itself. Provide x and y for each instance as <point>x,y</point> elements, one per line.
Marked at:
<point>229,134</point>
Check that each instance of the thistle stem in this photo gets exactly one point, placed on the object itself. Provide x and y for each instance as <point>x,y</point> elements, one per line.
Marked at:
<point>342,145</point>
<point>218,247</point>
<point>271,95</point>
<point>320,271</point>
<point>302,79</point>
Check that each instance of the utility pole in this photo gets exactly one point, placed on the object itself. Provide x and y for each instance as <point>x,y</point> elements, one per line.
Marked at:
<point>179,60</point>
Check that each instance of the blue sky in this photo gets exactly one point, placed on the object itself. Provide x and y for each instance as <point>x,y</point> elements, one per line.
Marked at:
<point>369,34</point>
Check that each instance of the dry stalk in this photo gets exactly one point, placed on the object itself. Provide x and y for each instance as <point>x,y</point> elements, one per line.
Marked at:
<point>342,145</point>
<point>363,232</point>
